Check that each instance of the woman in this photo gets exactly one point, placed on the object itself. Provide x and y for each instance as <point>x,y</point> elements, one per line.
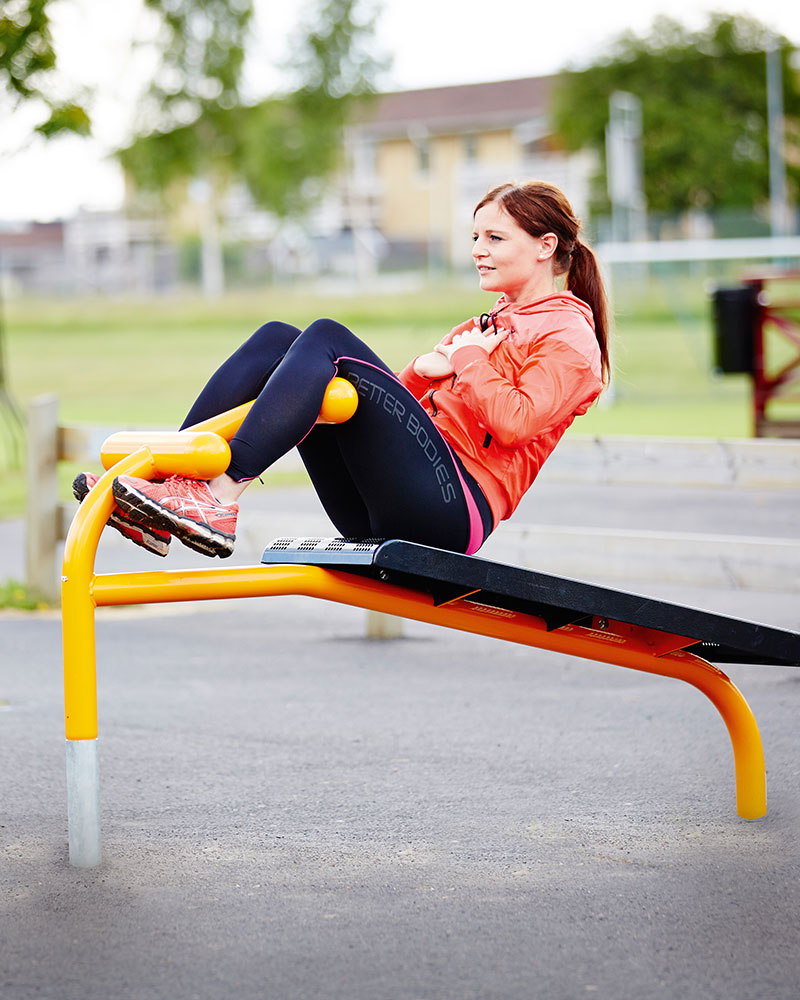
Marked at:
<point>438,454</point>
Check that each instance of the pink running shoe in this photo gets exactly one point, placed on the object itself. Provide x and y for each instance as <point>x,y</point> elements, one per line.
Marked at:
<point>184,507</point>
<point>154,541</point>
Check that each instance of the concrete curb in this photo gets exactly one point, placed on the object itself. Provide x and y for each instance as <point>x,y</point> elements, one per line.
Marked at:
<point>708,560</point>
<point>761,463</point>
<point>727,561</point>
<point>736,562</point>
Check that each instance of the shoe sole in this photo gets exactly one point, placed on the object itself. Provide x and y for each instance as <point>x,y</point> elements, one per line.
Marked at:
<point>146,540</point>
<point>192,534</point>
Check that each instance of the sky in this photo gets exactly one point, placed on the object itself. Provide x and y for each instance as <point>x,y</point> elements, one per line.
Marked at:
<point>429,43</point>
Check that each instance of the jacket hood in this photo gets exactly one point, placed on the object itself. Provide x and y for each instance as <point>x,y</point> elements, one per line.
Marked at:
<point>557,302</point>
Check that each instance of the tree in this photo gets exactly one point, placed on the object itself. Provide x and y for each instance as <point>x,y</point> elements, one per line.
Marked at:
<point>28,76</point>
<point>290,144</point>
<point>185,120</point>
<point>28,68</point>
<point>280,147</point>
<point>704,108</point>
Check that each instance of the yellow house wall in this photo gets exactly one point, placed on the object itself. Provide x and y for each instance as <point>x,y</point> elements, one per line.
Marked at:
<point>404,191</point>
<point>497,147</point>
<point>418,205</point>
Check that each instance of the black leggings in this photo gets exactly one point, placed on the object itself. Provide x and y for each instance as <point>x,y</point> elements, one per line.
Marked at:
<point>385,473</point>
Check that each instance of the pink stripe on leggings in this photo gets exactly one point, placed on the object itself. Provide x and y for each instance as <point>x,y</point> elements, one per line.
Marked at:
<point>476,538</point>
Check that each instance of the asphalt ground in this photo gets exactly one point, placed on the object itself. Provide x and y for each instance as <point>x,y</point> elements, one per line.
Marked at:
<point>291,810</point>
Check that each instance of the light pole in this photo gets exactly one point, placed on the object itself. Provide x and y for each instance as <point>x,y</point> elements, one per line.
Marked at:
<point>624,165</point>
<point>778,210</point>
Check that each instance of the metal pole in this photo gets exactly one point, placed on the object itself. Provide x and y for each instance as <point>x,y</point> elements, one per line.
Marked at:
<point>83,804</point>
<point>777,163</point>
<point>624,165</point>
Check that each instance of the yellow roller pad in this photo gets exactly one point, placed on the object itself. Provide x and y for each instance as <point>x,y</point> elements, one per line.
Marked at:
<point>194,454</point>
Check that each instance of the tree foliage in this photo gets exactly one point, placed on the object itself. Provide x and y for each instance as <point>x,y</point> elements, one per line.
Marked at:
<point>185,125</point>
<point>28,65</point>
<point>290,145</point>
<point>27,71</point>
<point>704,107</point>
<point>279,147</point>
<point>202,45</point>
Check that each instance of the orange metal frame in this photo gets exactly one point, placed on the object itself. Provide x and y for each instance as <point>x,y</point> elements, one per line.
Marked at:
<point>203,452</point>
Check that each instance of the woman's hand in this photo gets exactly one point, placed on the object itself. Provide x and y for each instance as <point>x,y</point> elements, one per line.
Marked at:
<point>433,365</point>
<point>474,337</point>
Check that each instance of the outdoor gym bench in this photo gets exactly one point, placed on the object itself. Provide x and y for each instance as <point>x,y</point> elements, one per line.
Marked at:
<point>397,578</point>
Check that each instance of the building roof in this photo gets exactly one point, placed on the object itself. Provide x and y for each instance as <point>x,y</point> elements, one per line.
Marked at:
<point>470,107</point>
<point>29,235</point>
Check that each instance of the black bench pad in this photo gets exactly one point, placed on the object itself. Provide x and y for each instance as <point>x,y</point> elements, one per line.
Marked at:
<point>558,600</point>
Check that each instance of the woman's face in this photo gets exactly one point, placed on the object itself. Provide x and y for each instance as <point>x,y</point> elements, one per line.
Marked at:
<point>510,260</point>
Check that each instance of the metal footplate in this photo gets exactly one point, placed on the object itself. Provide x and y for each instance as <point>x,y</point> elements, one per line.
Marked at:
<point>322,551</point>
<point>560,601</point>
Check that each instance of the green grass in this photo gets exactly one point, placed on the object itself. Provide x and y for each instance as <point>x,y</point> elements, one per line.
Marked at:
<point>127,363</point>
<point>19,597</point>
<point>123,362</point>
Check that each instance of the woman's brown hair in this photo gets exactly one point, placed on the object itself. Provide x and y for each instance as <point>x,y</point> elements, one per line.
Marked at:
<point>539,208</point>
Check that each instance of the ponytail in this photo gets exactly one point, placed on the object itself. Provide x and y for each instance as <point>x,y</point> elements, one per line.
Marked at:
<point>584,281</point>
<point>541,208</point>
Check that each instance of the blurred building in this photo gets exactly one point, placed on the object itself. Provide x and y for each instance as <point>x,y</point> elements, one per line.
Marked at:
<point>114,253</point>
<point>416,163</point>
<point>419,161</point>
<point>33,259</point>
<point>91,253</point>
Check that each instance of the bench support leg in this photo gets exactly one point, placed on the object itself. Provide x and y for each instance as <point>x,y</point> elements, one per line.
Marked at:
<point>748,750</point>
<point>83,803</point>
<point>80,682</point>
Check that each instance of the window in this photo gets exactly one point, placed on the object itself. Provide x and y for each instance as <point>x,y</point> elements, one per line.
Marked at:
<point>423,148</point>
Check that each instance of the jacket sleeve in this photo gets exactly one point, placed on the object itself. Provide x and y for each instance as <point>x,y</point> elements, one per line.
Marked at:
<point>554,382</point>
<point>417,385</point>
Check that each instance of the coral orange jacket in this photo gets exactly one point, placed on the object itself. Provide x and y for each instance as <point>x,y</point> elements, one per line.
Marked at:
<point>503,413</point>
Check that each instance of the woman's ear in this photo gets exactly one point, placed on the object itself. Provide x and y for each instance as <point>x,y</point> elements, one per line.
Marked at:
<point>549,245</point>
